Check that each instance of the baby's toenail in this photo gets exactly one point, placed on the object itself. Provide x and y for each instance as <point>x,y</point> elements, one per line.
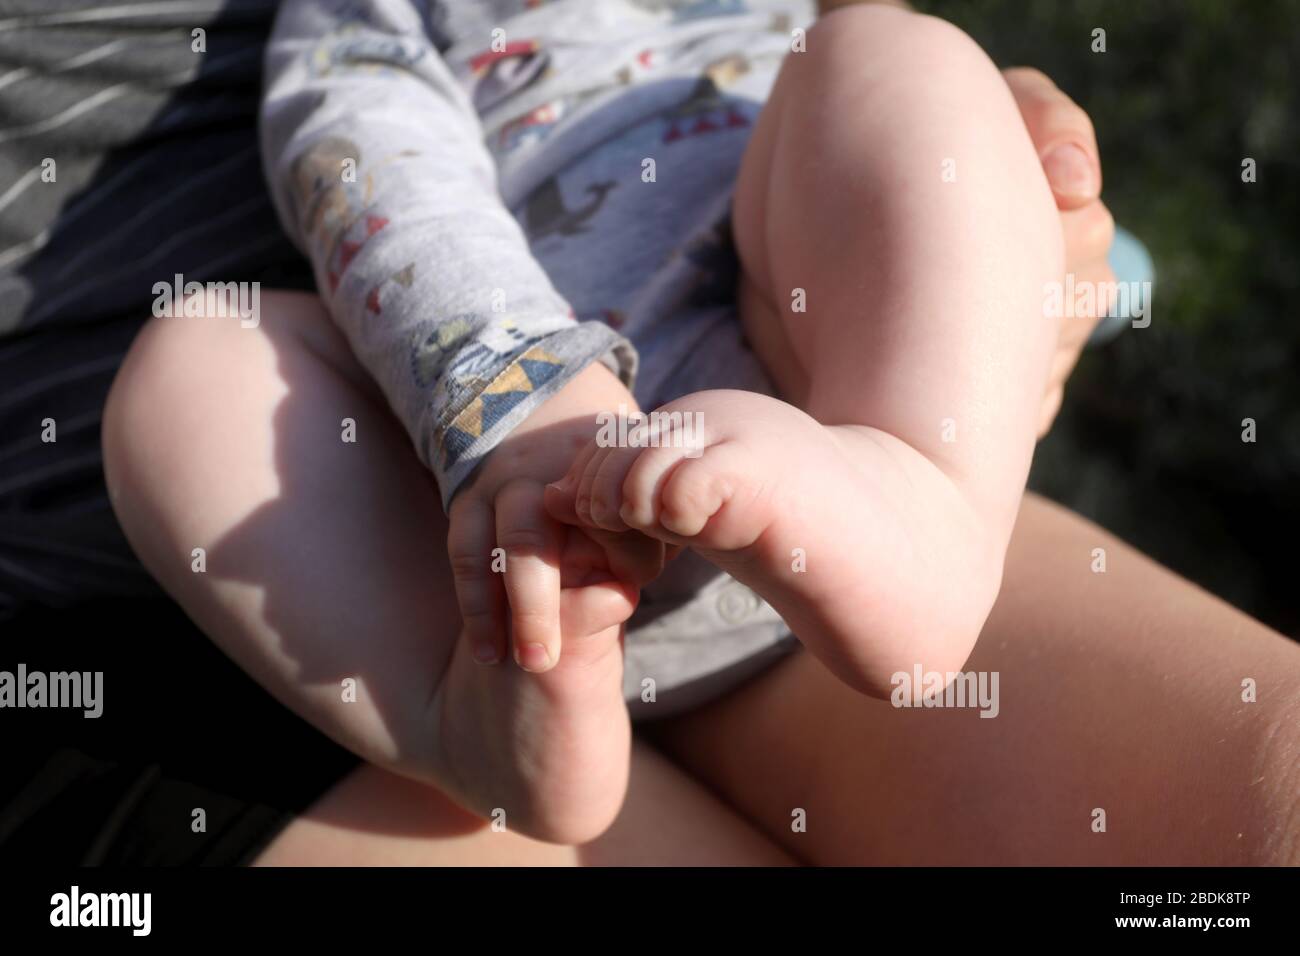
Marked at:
<point>485,652</point>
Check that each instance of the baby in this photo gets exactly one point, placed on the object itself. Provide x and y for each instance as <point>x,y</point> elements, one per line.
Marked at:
<point>525,217</point>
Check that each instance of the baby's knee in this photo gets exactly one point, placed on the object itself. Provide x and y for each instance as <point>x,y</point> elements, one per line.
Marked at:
<point>879,39</point>
<point>178,378</point>
<point>185,345</point>
<point>164,369</point>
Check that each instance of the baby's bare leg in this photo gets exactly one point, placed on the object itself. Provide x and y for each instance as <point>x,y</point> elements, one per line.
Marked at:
<point>891,188</point>
<point>326,574</point>
<point>897,234</point>
<point>230,439</point>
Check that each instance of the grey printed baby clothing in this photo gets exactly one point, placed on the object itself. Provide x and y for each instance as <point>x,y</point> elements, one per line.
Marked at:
<point>494,195</point>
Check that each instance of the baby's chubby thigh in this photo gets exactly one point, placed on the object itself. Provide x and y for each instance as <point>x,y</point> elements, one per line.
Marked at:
<point>897,236</point>
<point>261,479</point>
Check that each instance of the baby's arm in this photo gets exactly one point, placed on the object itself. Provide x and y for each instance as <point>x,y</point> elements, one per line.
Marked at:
<point>376,162</point>
<point>375,159</point>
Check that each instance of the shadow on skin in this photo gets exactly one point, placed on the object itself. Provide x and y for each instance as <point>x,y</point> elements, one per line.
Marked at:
<point>385,615</point>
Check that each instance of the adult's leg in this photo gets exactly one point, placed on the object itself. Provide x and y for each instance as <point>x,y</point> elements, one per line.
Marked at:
<point>1120,691</point>
<point>377,818</point>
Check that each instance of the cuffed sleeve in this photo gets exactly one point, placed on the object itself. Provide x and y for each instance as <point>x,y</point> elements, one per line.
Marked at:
<point>376,162</point>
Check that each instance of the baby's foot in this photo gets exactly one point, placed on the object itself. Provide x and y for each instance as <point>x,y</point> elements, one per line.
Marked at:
<point>543,754</point>
<point>532,727</point>
<point>869,551</point>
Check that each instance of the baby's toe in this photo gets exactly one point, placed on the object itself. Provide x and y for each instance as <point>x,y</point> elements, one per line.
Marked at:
<point>607,488</point>
<point>586,482</point>
<point>692,495</point>
<point>640,489</point>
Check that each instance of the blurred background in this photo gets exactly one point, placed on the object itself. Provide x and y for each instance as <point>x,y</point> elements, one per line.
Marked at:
<point>1149,441</point>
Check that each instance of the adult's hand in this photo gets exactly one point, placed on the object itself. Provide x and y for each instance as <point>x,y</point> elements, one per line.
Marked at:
<point>1064,138</point>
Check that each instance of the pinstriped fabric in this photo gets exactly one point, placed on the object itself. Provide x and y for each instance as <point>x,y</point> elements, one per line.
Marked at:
<point>59,541</point>
<point>126,156</point>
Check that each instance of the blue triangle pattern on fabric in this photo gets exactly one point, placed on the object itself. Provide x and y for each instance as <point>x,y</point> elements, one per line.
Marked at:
<point>454,443</point>
<point>495,406</point>
<point>539,373</point>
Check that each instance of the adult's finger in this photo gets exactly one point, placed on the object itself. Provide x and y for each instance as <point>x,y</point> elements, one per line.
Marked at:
<point>1089,232</point>
<point>1051,405</point>
<point>1086,311</point>
<point>531,540</point>
<point>1062,134</point>
<point>479,591</point>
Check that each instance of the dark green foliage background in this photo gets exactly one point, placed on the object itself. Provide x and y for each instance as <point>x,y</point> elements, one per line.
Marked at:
<point>1149,441</point>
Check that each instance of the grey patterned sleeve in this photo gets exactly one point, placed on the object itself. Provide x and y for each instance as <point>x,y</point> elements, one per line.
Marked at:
<point>376,162</point>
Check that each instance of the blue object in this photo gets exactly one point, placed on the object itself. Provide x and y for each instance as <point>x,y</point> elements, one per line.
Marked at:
<point>1134,268</point>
